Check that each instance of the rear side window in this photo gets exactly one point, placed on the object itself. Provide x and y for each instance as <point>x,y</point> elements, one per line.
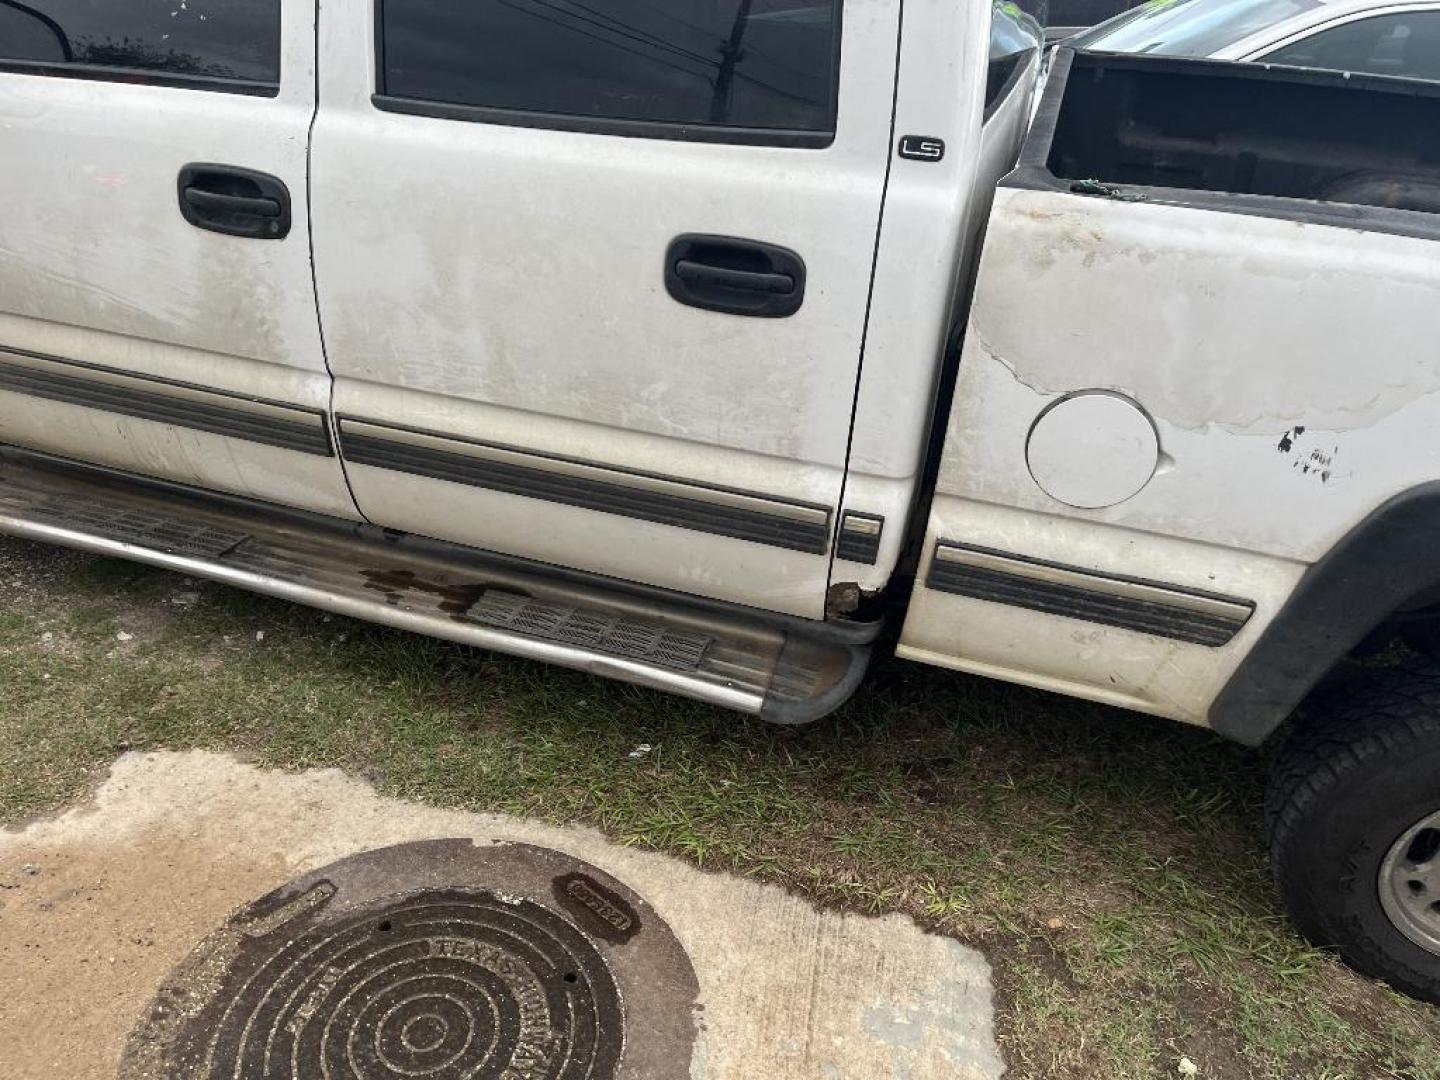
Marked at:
<point>706,69</point>
<point>165,41</point>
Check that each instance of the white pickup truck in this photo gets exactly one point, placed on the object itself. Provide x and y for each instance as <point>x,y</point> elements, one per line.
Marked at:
<point>655,339</point>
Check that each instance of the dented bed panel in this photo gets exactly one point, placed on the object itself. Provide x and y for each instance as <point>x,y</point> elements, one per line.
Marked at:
<point>1255,375</point>
<point>1290,370</point>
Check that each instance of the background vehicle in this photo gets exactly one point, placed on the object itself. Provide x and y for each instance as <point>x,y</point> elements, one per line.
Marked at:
<point>1374,37</point>
<point>640,338</point>
<point>1064,18</point>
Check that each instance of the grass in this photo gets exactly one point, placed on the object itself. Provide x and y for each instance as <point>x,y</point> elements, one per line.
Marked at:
<point>1110,865</point>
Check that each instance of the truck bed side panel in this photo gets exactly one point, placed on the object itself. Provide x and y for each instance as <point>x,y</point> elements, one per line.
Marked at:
<point>1290,370</point>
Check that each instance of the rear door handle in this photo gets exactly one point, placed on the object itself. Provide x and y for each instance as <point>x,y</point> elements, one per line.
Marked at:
<point>215,202</point>
<point>740,277</point>
<point>703,275</point>
<point>234,201</point>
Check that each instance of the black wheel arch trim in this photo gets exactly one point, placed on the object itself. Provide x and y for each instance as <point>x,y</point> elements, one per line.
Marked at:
<point>1378,568</point>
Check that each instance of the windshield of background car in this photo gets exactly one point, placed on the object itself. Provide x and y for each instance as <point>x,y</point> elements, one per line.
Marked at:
<point>1188,27</point>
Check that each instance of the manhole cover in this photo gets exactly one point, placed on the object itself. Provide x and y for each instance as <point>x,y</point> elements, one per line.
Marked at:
<point>438,960</point>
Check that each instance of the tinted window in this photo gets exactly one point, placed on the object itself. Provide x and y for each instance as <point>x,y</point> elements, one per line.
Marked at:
<point>740,63</point>
<point>1014,37</point>
<point>1406,44</point>
<point>226,39</point>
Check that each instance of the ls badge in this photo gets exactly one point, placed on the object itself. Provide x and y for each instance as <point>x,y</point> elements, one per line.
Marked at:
<point>922,148</point>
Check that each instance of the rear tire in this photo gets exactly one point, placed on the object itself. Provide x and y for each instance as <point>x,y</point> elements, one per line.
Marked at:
<point>1354,823</point>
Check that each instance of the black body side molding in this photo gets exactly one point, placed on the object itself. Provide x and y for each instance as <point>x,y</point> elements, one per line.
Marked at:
<point>616,491</point>
<point>1385,564</point>
<point>187,405</point>
<point>1073,592</point>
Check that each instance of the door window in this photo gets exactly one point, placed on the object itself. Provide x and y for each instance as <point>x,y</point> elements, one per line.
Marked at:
<point>761,65</point>
<point>1405,44</point>
<point>175,40</point>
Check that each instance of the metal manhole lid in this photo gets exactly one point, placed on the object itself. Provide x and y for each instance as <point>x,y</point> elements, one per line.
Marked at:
<point>439,960</point>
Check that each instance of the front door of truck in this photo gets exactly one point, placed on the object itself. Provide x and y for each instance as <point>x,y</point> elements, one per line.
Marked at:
<point>157,310</point>
<point>593,277</point>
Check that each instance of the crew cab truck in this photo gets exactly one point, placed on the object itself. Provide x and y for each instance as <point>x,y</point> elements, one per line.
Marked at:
<point>660,341</point>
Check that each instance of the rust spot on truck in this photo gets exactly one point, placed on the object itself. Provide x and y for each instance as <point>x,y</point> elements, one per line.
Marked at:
<point>1314,460</point>
<point>1287,441</point>
<point>843,598</point>
<point>1319,462</point>
<point>454,598</point>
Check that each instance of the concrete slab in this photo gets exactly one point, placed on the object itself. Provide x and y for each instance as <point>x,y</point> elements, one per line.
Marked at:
<point>99,906</point>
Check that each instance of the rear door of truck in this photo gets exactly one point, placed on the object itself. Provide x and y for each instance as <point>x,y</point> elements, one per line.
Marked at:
<point>157,309</point>
<point>593,280</point>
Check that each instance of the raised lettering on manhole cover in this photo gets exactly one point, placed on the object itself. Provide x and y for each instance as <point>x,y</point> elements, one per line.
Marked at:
<point>438,960</point>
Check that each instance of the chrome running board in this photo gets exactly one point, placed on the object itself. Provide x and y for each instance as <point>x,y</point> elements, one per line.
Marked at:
<point>784,669</point>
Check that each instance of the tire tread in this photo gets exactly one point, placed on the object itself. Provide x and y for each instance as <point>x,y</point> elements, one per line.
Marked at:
<point>1383,714</point>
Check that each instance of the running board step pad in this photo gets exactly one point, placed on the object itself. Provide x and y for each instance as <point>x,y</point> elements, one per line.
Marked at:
<point>129,525</point>
<point>599,630</point>
<point>708,652</point>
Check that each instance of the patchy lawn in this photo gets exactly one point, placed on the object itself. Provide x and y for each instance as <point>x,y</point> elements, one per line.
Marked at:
<point>1110,865</point>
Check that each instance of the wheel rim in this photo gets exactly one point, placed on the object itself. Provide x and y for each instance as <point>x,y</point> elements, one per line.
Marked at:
<point>1410,883</point>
